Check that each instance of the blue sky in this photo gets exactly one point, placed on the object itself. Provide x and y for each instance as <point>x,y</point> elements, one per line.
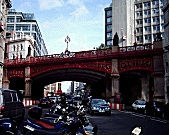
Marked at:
<point>81,20</point>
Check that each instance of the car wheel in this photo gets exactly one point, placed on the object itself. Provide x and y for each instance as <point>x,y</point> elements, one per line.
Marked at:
<point>163,115</point>
<point>91,112</point>
<point>145,112</point>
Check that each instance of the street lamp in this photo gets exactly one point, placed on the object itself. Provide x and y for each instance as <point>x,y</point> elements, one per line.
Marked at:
<point>67,40</point>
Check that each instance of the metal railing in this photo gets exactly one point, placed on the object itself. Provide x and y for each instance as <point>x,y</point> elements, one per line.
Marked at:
<point>80,55</point>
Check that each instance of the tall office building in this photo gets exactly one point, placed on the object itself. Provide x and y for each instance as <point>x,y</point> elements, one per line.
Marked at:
<point>4,6</point>
<point>123,21</point>
<point>108,25</point>
<point>135,21</point>
<point>149,20</point>
<point>166,49</point>
<point>26,22</point>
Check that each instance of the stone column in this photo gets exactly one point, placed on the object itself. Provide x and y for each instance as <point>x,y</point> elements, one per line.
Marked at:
<point>115,78</point>
<point>5,83</point>
<point>28,87</point>
<point>28,82</point>
<point>158,76</point>
<point>159,93</point>
<point>145,89</point>
<point>115,85</point>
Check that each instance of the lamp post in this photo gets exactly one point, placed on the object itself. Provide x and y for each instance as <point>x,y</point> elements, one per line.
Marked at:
<point>67,40</point>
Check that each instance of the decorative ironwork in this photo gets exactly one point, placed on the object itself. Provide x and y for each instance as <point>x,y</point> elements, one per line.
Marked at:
<point>136,64</point>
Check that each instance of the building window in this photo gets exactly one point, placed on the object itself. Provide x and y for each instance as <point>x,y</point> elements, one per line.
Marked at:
<point>20,55</point>
<point>147,12</point>
<point>109,13</point>
<point>33,27</point>
<point>18,19</point>
<point>147,29</point>
<point>21,47</point>
<point>155,2</point>
<point>139,6</point>
<point>14,47</point>
<point>139,22</point>
<point>13,56</point>
<point>148,37</point>
<point>147,20</point>
<point>139,14</point>
<point>109,27</point>
<point>10,27</point>
<point>155,10</point>
<point>156,27</point>
<point>109,20</point>
<point>109,35</point>
<point>109,43</point>
<point>162,18</point>
<point>156,19</point>
<point>147,4</point>
<point>10,19</point>
<point>26,27</point>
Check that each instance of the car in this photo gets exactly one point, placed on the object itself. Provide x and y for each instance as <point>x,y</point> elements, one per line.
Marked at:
<point>139,105</point>
<point>10,105</point>
<point>98,106</point>
<point>154,108</point>
<point>165,114</point>
<point>45,102</point>
<point>53,99</point>
<point>77,100</point>
<point>69,99</point>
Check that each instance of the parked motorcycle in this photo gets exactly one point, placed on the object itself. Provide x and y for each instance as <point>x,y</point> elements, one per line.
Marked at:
<point>8,127</point>
<point>71,125</point>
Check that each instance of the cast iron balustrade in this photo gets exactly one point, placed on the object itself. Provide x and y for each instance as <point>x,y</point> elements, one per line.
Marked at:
<point>73,56</point>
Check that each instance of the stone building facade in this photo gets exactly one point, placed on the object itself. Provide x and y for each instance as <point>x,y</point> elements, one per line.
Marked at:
<point>4,5</point>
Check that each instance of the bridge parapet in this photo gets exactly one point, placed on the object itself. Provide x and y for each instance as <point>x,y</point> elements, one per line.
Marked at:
<point>74,56</point>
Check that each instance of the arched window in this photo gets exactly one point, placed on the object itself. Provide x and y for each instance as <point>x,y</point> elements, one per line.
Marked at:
<point>14,47</point>
<point>13,56</point>
<point>20,55</point>
<point>21,47</point>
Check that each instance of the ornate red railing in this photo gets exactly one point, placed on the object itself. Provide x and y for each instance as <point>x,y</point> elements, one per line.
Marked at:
<point>80,55</point>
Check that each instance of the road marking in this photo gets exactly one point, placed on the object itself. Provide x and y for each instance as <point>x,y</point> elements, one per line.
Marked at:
<point>163,121</point>
<point>138,115</point>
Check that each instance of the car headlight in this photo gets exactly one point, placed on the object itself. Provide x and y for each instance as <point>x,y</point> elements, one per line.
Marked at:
<point>158,109</point>
<point>95,108</point>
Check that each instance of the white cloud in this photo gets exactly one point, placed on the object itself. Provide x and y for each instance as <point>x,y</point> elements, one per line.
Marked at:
<point>80,11</point>
<point>50,4</point>
<point>74,2</point>
<point>46,25</point>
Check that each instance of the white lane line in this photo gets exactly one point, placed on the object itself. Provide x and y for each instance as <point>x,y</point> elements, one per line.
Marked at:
<point>138,115</point>
<point>158,120</point>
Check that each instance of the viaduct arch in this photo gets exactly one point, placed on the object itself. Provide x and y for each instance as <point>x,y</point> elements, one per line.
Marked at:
<point>107,70</point>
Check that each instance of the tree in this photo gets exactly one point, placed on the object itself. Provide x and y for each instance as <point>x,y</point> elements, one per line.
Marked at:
<point>102,46</point>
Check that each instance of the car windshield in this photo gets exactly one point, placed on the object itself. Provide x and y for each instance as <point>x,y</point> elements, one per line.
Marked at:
<point>141,102</point>
<point>98,101</point>
<point>43,99</point>
<point>69,97</point>
<point>158,104</point>
<point>52,98</point>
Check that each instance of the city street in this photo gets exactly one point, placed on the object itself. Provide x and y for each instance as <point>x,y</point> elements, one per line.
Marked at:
<point>122,122</point>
